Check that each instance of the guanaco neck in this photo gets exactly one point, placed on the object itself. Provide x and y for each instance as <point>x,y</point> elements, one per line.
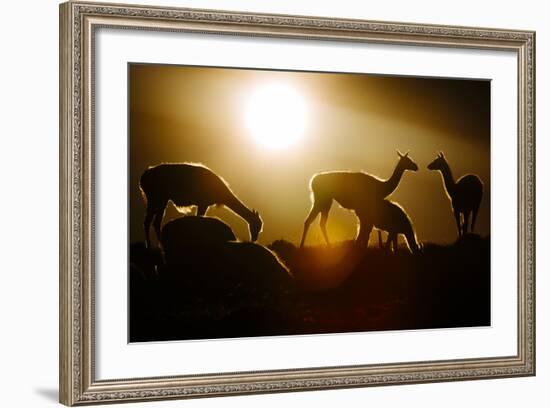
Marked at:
<point>391,184</point>
<point>448,179</point>
<point>235,205</point>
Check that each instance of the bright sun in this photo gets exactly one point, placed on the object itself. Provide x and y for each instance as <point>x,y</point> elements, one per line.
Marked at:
<point>276,116</point>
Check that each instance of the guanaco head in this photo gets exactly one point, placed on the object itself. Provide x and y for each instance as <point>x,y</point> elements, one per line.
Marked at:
<point>405,162</point>
<point>439,162</point>
<point>255,224</point>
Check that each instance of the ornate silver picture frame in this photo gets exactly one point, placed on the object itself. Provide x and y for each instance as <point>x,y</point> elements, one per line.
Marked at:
<point>79,23</point>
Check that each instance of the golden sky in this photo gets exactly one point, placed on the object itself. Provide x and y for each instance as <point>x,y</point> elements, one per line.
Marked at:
<point>353,122</point>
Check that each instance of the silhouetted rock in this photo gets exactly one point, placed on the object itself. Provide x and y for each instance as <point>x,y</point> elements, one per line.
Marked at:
<point>186,234</point>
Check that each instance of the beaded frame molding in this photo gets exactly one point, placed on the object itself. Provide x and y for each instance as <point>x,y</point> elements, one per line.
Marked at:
<point>78,22</point>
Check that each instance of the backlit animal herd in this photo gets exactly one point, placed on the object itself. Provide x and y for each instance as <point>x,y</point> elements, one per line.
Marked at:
<point>189,184</point>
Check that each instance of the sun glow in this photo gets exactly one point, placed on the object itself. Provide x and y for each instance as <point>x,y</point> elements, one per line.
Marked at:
<point>276,116</point>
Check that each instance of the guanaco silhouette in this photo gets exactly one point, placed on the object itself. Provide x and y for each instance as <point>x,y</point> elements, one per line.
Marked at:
<point>188,184</point>
<point>392,218</point>
<point>357,191</point>
<point>465,194</point>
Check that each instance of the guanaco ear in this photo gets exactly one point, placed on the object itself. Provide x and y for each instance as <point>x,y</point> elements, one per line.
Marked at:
<point>440,154</point>
<point>399,154</point>
<point>407,154</point>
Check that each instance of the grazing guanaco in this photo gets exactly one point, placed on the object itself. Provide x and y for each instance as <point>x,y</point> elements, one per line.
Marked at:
<point>187,184</point>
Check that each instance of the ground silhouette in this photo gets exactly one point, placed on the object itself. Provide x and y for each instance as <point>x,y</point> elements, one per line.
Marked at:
<point>233,289</point>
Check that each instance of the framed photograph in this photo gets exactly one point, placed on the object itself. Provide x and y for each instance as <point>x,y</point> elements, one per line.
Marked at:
<point>256,203</point>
